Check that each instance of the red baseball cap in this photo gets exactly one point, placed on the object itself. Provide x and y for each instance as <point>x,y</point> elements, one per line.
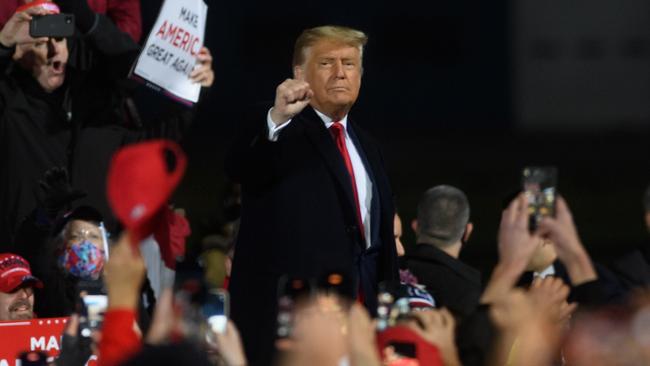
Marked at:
<point>14,272</point>
<point>45,4</point>
<point>426,353</point>
<point>141,179</point>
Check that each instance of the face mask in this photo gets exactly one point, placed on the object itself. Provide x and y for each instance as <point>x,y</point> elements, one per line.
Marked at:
<point>83,260</point>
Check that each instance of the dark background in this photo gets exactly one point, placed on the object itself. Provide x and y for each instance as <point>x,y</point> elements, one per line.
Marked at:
<point>458,92</point>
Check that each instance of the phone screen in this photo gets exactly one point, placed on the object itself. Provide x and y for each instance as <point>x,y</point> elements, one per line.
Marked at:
<point>215,310</point>
<point>539,186</point>
<point>92,316</point>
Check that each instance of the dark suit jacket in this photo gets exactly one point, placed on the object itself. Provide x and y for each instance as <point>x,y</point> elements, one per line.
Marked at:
<point>298,219</point>
<point>452,283</point>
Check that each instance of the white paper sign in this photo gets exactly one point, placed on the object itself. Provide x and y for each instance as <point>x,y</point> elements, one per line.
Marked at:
<point>169,55</point>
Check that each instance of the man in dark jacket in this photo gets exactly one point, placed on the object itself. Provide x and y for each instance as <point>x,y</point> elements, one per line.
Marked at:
<point>442,227</point>
<point>56,111</point>
<point>315,195</point>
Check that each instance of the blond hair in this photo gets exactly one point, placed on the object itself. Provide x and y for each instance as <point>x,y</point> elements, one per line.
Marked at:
<point>348,36</point>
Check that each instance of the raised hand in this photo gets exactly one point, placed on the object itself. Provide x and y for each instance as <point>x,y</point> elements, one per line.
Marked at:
<point>549,296</point>
<point>16,30</point>
<point>438,327</point>
<point>516,246</point>
<point>124,274</point>
<point>203,73</point>
<point>291,97</point>
<point>229,346</point>
<point>570,251</point>
<point>516,243</point>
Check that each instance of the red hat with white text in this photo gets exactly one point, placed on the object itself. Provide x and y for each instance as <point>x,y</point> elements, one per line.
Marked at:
<point>15,272</point>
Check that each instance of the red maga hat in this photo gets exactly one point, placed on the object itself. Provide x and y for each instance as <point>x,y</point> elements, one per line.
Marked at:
<point>141,179</point>
<point>426,353</point>
<point>45,4</point>
<point>15,272</point>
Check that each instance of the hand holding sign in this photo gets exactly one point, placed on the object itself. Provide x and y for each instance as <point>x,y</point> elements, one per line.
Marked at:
<point>203,73</point>
<point>173,60</point>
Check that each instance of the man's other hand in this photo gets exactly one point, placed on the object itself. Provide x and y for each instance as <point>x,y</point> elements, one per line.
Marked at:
<point>291,97</point>
<point>203,73</point>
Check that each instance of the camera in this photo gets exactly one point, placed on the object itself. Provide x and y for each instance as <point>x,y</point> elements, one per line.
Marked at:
<point>52,25</point>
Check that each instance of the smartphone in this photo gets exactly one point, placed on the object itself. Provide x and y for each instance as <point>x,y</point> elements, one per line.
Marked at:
<point>190,293</point>
<point>539,185</point>
<point>91,314</point>
<point>52,25</point>
<point>216,309</point>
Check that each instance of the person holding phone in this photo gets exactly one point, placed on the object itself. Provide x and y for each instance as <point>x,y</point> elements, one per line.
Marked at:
<point>56,113</point>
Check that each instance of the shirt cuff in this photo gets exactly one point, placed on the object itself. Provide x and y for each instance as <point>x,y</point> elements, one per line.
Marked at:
<point>273,129</point>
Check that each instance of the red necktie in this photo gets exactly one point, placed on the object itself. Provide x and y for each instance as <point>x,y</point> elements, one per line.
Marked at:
<point>339,137</point>
<point>337,132</point>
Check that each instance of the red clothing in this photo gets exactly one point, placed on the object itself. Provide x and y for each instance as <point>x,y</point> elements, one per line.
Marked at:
<point>119,340</point>
<point>8,9</point>
<point>125,13</point>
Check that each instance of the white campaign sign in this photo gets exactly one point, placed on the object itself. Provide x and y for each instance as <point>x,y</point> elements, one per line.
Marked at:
<point>169,55</point>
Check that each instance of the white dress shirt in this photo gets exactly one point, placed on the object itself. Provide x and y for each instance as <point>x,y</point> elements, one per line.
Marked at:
<point>361,176</point>
<point>548,271</point>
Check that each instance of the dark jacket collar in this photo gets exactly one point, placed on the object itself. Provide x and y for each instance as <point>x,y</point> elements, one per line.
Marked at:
<point>429,253</point>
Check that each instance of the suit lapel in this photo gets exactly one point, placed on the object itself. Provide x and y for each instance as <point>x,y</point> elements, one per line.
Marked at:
<point>321,138</point>
<point>364,150</point>
<point>369,153</point>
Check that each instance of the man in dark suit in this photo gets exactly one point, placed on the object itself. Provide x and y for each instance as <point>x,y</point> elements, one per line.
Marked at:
<point>442,227</point>
<point>315,195</point>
